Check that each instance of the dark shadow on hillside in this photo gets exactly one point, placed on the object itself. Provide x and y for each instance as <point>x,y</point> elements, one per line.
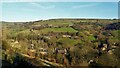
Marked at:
<point>19,62</point>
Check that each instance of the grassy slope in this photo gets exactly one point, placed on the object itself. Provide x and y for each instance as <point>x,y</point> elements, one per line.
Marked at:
<point>64,29</point>
<point>54,22</point>
<point>69,42</point>
<point>117,33</point>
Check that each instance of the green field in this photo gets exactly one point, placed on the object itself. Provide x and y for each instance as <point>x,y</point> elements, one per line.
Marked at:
<point>69,42</point>
<point>64,29</point>
<point>55,22</point>
<point>46,30</point>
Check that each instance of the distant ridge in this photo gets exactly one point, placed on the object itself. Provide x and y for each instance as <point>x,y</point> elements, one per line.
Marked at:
<point>62,19</point>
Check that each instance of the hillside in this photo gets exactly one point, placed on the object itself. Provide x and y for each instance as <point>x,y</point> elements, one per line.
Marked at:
<point>66,42</point>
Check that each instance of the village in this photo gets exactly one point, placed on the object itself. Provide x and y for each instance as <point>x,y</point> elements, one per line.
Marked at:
<point>62,44</point>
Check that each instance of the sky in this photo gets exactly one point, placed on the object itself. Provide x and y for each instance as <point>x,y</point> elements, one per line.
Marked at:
<point>60,0</point>
<point>32,11</point>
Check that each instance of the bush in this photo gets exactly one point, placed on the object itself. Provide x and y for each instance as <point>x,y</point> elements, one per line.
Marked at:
<point>5,45</point>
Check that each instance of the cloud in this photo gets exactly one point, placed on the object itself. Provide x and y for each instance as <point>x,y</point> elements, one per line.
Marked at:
<point>42,6</point>
<point>84,6</point>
